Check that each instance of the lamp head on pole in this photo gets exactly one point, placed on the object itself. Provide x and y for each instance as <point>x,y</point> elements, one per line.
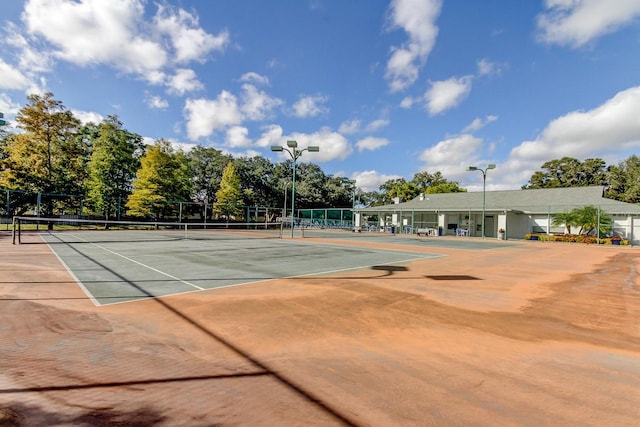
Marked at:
<point>276,148</point>
<point>491,166</point>
<point>313,148</point>
<point>292,144</point>
<point>472,168</point>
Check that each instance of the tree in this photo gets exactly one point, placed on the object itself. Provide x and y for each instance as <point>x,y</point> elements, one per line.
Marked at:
<point>115,158</point>
<point>398,188</point>
<point>624,180</point>
<point>47,157</point>
<point>569,172</point>
<point>310,186</point>
<point>207,165</point>
<point>590,219</point>
<point>229,197</point>
<point>163,179</point>
<point>566,219</point>
<point>448,187</point>
<point>257,181</point>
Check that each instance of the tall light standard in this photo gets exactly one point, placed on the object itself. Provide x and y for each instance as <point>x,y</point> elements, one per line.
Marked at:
<point>294,153</point>
<point>353,202</point>
<point>484,188</point>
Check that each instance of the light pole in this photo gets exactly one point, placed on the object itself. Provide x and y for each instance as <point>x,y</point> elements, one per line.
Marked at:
<point>484,187</point>
<point>353,203</point>
<point>294,153</point>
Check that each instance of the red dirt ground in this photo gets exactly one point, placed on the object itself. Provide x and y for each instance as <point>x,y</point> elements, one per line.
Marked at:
<point>541,334</point>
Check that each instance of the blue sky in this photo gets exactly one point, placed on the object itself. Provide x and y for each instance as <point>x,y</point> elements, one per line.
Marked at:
<point>385,88</point>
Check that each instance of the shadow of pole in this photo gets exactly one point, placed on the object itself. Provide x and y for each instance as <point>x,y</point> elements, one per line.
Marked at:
<point>298,389</point>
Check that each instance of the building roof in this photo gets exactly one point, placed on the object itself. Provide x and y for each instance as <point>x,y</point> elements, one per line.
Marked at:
<point>547,200</point>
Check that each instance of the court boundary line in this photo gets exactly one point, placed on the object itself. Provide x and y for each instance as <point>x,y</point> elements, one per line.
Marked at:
<point>140,264</point>
<point>73,275</point>
<point>421,256</point>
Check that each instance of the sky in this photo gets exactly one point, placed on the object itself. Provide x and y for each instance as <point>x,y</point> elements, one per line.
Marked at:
<point>386,89</point>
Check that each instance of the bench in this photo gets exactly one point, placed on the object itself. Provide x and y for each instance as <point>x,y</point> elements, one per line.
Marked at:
<point>426,231</point>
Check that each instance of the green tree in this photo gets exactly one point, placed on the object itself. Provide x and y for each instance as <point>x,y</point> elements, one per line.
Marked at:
<point>624,180</point>
<point>591,219</point>
<point>229,201</point>
<point>398,188</point>
<point>310,183</point>
<point>566,219</point>
<point>207,165</point>
<point>257,180</point>
<point>46,156</point>
<point>115,158</point>
<point>447,187</point>
<point>163,180</point>
<point>569,172</point>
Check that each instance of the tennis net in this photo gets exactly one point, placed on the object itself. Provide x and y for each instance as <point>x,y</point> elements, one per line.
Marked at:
<point>72,230</point>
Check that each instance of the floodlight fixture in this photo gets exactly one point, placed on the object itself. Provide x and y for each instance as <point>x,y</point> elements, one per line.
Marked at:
<point>484,188</point>
<point>292,149</point>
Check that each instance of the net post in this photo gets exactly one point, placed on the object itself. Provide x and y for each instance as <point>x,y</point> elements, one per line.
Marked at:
<point>13,233</point>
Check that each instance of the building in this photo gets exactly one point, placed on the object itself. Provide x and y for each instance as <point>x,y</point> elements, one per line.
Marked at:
<point>516,212</point>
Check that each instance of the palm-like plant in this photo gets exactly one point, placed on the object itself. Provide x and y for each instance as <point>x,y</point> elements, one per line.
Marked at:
<point>568,219</point>
<point>589,219</point>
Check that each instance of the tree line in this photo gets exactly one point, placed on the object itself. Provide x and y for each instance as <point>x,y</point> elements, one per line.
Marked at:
<point>106,170</point>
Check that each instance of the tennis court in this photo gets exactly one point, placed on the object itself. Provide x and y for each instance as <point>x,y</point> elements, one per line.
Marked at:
<point>118,266</point>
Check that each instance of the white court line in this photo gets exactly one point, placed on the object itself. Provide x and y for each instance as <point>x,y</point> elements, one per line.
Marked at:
<point>78,281</point>
<point>140,263</point>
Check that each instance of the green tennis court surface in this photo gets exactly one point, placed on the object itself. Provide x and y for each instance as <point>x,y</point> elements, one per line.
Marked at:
<point>114,270</point>
<point>465,243</point>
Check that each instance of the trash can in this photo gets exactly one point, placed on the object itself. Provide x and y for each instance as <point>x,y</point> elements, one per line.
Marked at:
<point>393,229</point>
<point>439,231</point>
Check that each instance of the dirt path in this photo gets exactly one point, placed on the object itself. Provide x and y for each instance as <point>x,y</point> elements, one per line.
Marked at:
<point>543,334</point>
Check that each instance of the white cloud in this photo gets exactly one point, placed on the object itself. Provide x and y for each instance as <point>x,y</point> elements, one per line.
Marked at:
<point>377,125</point>
<point>577,22</point>
<point>478,123</point>
<point>333,146</point>
<point>371,180</point>
<point>30,60</point>
<point>489,68</point>
<point>451,156</point>
<point>257,104</point>
<point>204,116</point>
<point>417,18</point>
<point>349,127</point>
<point>371,143</point>
<point>252,77</point>
<point>237,137</point>
<point>271,135</point>
<point>96,32</point>
<point>11,78</point>
<point>613,125</point>
<point>407,102</point>
<point>156,102</point>
<point>116,34</point>
<point>310,106</point>
<point>189,40</point>
<point>446,94</point>
<point>452,151</point>
<point>183,81</point>
<point>88,116</point>
<point>580,134</point>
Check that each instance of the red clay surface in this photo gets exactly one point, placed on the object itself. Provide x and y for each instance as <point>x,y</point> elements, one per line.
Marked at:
<point>542,334</point>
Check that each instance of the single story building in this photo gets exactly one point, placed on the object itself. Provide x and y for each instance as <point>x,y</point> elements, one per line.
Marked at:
<point>514,213</point>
